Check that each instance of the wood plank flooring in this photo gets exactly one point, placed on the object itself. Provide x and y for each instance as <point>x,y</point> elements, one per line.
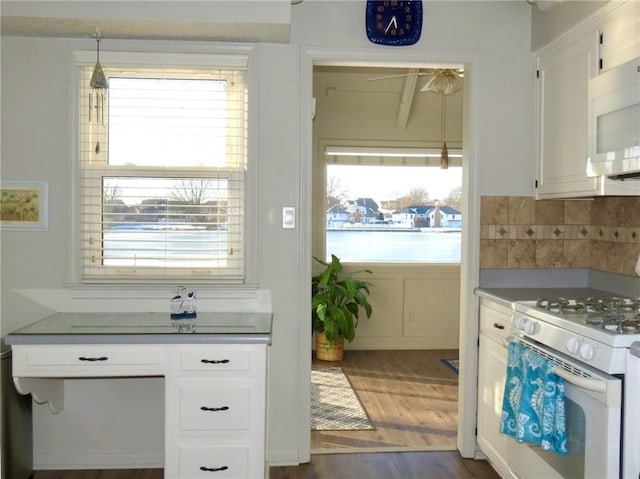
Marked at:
<point>102,474</point>
<point>404,465</point>
<point>411,398</point>
<point>407,465</point>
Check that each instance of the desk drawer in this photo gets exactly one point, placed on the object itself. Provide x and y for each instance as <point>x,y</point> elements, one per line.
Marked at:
<point>205,407</point>
<point>216,461</point>
<point>215,359</point>
<point>92,360</point>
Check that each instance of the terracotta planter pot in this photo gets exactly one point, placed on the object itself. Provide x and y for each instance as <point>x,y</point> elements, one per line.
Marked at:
<point>326,351</point>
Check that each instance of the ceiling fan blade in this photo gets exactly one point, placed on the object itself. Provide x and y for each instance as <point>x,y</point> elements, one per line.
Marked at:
<point>398,75</point>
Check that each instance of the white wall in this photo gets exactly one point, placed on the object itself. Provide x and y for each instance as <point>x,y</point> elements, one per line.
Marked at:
<point>36,145</point>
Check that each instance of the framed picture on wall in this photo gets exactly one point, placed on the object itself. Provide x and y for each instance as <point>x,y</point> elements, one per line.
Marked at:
<point>23,205</point>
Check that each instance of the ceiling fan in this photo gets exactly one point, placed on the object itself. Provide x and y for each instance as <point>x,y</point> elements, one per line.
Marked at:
<point>443,81</point>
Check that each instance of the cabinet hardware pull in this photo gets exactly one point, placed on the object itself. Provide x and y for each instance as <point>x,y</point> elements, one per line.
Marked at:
<point>101,358</point>
<point>213,469</point>
<point>214,361</point>
<point>498,326</point>
<point>214,409</point>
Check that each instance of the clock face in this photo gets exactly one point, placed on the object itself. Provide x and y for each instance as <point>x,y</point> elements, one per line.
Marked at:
<point>394,22</point>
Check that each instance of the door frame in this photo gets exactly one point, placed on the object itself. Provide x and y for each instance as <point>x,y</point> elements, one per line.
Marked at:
<point>469,265</point>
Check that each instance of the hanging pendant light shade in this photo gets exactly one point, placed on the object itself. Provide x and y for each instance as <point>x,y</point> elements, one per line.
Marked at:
<point>444,82</point>
<point>98,79</point>
<point>444,154</point>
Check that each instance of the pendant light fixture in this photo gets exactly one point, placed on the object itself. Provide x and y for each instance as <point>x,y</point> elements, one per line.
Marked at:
<point>98,79</point>
<point>444,154</point>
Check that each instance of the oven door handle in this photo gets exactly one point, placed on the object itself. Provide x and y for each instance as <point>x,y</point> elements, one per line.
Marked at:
<point>594,385</point>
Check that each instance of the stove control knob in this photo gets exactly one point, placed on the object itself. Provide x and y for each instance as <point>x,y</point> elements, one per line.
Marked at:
<point>530,327</point>
<point>573,345</point>
<point>587,351</point>
<point>518,322</point>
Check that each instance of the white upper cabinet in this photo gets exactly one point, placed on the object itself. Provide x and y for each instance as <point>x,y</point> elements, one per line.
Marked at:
<point>563,70</point>
<point>620,37</point>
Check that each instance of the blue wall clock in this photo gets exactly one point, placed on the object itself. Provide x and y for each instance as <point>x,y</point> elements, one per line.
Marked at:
<point>394,22</point>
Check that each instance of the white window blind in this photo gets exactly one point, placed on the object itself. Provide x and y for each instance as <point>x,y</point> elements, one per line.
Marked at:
<point>162,169</point>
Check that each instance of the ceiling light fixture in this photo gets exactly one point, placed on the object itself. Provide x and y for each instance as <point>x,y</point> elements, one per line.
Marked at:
<point>444,82</point>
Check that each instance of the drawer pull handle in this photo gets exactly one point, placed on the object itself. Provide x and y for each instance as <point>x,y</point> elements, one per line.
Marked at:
<point>214,409</point>
<point>213,469</point>
<point>214,361</point>
<point>101,358</point>
<point>498,326</point>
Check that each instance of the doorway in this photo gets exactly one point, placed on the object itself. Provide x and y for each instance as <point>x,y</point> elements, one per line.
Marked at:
<point>393,114</point>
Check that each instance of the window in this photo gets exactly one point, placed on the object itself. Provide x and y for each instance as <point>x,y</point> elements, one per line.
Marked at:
<point>163,158</point>
<point>386,210</point>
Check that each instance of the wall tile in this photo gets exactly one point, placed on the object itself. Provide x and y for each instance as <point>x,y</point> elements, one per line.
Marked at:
<point>577,212</point>
<point>520,232</point>
<point>599,252</point>
<point>521,254</point>
<point>549,254</point>
<point>630,254</point>
<point>522,210</point>
<point>549,212</point>
<point>494,210</point>
<point>632,212</point>
<point>493,254</point>
<point>577,253</point>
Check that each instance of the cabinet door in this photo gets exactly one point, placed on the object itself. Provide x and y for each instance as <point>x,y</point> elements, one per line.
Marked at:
<point>562,119</point>
<point>620,36</point>
<point>492,366</point>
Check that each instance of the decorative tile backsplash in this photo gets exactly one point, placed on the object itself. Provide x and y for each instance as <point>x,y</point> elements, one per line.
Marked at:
<point>520,232</point>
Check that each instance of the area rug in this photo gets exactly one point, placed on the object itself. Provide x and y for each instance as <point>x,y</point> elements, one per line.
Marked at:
<point>334,404</point>
<point>453,364</point>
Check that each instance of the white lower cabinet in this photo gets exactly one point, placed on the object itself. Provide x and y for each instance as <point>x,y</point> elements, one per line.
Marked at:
<point>221,461</point>
<point>215,397</point>
<point>216,412</point>
<point>492,366</point>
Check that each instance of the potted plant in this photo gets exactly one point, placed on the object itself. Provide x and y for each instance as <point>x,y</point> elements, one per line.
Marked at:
<point>336,300</point>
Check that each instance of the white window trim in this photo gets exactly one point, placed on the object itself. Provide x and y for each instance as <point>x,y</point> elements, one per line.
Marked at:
<point>227,56</point>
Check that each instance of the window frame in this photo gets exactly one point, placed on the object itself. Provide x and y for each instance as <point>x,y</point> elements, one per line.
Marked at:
<point>392,154</point>
<point>240,57</point>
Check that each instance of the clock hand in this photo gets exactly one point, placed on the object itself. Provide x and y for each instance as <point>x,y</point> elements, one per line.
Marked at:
<point>392,22</point>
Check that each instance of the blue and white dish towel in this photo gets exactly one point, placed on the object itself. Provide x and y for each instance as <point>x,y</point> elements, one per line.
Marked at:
<point>533,405</point>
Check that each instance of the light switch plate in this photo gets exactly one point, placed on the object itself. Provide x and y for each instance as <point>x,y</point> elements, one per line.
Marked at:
<point>288,217</point>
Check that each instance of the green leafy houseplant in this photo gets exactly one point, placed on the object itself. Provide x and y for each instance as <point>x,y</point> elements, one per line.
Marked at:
<point>336,301</point>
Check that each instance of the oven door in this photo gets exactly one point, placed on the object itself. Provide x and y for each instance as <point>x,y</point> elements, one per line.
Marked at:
<point>593,416</point>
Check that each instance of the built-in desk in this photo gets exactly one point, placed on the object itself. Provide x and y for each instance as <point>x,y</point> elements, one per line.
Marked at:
<point>215,378</point>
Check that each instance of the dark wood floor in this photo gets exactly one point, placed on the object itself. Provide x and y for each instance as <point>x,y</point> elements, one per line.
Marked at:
<point>411,399</point>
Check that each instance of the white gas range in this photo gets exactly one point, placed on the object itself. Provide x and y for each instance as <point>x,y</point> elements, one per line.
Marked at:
<point>596,331</point>
<point>590,339</point>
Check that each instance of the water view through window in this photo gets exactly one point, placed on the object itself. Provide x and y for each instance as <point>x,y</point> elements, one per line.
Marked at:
<point>401,214</point>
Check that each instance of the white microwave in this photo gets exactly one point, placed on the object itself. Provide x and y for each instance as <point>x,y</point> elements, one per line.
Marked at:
<point>614,123</point>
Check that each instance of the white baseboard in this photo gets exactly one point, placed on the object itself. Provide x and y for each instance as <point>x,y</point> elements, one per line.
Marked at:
<point>97,461</point>
<point>283,458</point>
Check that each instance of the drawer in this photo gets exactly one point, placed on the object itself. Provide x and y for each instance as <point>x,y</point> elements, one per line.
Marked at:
<point>219,461</point>
<point>210,407</point>
<point>495,320</point>
<point>215,359</point>
<point>90,360</point>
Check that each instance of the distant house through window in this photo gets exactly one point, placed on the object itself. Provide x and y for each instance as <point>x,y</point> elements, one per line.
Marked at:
<point>391,213</point>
